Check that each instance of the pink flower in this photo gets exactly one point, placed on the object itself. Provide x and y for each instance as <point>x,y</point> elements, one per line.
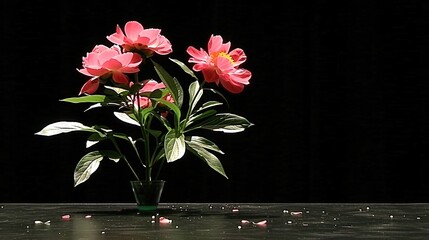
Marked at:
<point>148,87</point>
<point>151,85</point>
<point>220,65</point>
<point>136,38</point>
<point>106,62</point>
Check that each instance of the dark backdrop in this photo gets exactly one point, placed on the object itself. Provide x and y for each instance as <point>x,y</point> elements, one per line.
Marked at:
<point>339,99</point>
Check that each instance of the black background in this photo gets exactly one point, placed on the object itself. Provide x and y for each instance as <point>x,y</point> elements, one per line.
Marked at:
<point>339,99</point>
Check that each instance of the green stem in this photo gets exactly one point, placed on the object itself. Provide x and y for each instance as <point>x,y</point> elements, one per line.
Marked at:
<point>159,167</point>
<point>147,156</point>
<point>146,162</point>
<point>125,158</point>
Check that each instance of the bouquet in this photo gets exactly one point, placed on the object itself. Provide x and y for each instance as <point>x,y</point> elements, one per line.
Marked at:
<point>158,120</point>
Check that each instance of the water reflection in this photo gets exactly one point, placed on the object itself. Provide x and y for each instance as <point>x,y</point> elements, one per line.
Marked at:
<point>85,228</point>
<point>216,221</point>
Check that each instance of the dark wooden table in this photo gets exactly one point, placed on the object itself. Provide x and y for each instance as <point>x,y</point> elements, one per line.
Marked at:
<point>215,221</point>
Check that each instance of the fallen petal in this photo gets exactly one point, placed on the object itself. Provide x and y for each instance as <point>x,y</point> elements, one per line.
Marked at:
<point>261,222</point>
<point>296,213</point>
<point>164,220</point>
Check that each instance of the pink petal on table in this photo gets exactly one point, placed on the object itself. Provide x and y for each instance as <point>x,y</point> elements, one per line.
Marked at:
<point>66,216</point>
<point>261,222</point>
<point>164,220</point>
<point>296,214</point>
<point>245,221</point>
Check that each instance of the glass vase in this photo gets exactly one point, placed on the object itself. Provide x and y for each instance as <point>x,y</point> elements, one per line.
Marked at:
<point>147,194</point>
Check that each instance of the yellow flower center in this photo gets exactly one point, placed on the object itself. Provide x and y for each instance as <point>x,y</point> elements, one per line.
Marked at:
<point>222,54</point>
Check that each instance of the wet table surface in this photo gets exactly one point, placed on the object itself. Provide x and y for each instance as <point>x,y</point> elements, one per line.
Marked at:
<point>215,221</point>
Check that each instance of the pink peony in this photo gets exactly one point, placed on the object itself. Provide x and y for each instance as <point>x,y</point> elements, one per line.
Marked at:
<point>106,62</point>
<point>136,38</point>
<point>220,65</point>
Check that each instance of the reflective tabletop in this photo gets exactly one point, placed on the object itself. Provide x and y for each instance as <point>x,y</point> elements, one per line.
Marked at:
<point>215,221</point>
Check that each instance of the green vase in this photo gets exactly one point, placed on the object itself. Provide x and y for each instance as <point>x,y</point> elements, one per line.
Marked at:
<point>147,194</point>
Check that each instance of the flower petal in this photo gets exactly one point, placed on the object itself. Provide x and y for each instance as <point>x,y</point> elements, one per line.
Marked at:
<point>90,86</point>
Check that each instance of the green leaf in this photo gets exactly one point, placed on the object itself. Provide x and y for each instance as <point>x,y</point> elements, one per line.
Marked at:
<point>195,94</point>
<point>126,118</point>
<point>86,99</point>
<point>209,104</point>
<point>174,146</point>
<point>174,108</point>
<point>171,83</point>
<point>157,93</point>
<point>155,133</point>
<point>94,139</point>
<point>121,136</point>
<point>184,67</point>
<point>116,90</point>
<point>208,157</point>
<point>226,122</point>
<point>198,116</point>
<point>203,143</point>
<point>64,127</point>
<point>89,163</point>
<point>97,105</point>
